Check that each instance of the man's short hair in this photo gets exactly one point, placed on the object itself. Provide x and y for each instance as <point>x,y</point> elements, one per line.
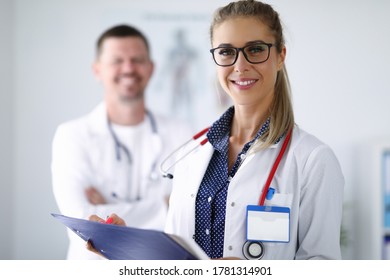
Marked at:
<point>120,31</point>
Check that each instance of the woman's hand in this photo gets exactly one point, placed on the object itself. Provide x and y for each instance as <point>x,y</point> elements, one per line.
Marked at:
<point>113,219</point>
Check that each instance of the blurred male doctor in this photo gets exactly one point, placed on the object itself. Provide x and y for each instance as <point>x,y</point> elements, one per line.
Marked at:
<point>107,161</point>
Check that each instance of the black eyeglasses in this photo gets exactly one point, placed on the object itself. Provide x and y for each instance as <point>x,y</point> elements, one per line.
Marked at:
<point>253,53</point>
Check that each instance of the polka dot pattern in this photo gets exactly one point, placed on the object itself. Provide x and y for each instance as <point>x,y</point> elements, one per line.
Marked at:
<point>210,207</point>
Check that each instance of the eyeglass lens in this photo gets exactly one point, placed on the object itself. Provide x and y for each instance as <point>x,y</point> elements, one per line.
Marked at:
<point>256,53</point>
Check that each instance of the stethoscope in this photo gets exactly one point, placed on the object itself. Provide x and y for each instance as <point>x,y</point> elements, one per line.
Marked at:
<point>122,149</point>
<point>252,250</point>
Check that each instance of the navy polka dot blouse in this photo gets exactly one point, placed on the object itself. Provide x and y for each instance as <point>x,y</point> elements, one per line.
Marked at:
<point>210,205</point>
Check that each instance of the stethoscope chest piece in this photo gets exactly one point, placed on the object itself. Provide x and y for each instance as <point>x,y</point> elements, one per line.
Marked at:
<point>253,250</point>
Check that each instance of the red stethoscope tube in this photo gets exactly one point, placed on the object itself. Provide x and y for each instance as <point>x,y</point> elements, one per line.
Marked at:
<point>200,134</point>
<point>274,168</point>
<point>166,173</point>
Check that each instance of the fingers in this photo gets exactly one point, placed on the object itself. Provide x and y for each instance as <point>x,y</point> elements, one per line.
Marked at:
<point>113,219</point>
<point>116,220</point>
<point>95,218</point>
<point>90,247</point>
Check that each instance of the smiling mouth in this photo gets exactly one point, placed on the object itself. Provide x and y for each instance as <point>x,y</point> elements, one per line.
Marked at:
<point>127,81</point>
<point>244,83</point>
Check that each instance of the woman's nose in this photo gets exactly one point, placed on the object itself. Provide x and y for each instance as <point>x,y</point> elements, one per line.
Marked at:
<point>242,63</point>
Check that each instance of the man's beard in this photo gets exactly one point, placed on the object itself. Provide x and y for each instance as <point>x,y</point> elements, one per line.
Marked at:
<point>130,99</point>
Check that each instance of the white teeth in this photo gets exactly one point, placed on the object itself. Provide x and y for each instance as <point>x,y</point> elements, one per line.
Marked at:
<point>245,83</point>
<point>128,81</point>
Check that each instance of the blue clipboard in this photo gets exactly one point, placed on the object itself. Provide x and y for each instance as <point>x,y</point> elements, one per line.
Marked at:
<point>126,243</point>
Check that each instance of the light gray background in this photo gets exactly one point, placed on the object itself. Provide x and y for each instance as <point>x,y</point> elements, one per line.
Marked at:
<point>338,61</point>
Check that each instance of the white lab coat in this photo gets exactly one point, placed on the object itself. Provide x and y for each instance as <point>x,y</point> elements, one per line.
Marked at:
<point>309,181</point>
<point>83,155</point>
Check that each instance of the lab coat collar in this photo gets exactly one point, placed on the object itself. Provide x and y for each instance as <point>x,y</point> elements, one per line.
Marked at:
<point>251,155</point>
<point>97,119</point>
<point>98,123</point>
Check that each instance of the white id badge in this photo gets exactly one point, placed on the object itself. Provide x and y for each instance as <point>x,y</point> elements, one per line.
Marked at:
<point>268,223</point>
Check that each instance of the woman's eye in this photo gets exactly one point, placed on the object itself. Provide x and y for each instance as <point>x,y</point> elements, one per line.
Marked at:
<point>256,49</point>
<point>227,52</point>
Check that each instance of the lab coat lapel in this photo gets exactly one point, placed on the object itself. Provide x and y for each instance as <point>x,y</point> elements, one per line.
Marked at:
<point>252,155</point>
<point>97,120</point>
<point>199,163</point>
<point>196,168</point>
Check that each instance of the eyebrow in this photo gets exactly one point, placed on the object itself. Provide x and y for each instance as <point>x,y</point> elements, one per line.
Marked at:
<point>226,45</point>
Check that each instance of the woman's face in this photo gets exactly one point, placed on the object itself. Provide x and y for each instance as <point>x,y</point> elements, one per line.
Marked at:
<point>247,83</point>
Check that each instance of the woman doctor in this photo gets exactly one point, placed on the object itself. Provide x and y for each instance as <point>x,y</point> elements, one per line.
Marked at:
<point>221,197</point>
<point>214,185</point>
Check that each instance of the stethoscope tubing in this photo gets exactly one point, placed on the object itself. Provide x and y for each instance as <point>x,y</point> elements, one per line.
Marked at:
<point>274,168</point>
<point>163,171</point>
<point>119,145</point>
<point>259,246</point>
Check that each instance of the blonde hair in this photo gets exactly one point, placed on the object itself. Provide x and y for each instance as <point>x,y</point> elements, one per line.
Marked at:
<point>281,111</point>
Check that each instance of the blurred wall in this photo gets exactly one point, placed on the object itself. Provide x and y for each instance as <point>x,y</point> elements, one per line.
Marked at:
<point>6,125</point>
<point>337,59</point>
